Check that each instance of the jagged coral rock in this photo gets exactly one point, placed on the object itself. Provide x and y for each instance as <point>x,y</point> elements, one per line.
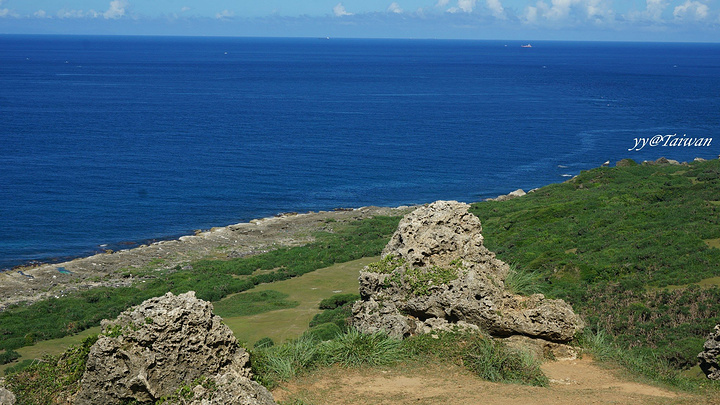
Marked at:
<point>165,343</point>
<point>436,272</point>
<point>709,357</point>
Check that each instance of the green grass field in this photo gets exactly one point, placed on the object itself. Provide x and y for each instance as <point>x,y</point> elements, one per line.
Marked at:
<point>308,290</point>
<point>54,347</point>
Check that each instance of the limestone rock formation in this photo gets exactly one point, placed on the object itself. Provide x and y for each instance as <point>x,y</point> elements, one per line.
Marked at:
<point>436,274</point>
<point>6,397</point>
<point>710,356</point>
<point>514,194</point>
<point>163,344</point>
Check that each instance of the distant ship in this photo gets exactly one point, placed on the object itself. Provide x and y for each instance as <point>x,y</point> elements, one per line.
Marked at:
<point>526,46</point>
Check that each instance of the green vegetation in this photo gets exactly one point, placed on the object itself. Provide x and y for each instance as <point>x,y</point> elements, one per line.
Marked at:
<point>338,300</point>
<point>422,281</point>
<point>8,356</point>
<point>251,303</point>
<point>611,242</point>
<point>337,311</point>
<point>337,316</point>
<point>53,378</point>
<point>492,360</point>
<point>211,280</point>
<point>308,290</point>
<point>523,282</point>
<point>633,249</point>
<point>487,358</point>
<point>604,348</point>
<point>185,393</point>
<point>387,265</point>
<point>264,343</point>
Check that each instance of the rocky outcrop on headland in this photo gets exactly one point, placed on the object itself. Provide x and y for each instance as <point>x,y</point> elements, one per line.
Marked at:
<point>710,356</point>
<point>437,274</point>
<point>514,194</point>
<point>163,344</point>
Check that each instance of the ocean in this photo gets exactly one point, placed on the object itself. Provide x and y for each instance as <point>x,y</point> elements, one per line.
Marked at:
<point>110,141</point>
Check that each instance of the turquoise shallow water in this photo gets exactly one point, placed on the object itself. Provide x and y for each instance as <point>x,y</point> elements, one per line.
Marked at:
<point>106,140</point>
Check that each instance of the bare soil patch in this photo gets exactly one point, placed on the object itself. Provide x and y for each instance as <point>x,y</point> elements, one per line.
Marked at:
<point>579,381</point>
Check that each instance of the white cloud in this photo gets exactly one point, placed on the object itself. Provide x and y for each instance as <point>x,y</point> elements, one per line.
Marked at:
<point>655,8</point>
<point>560,10</point>
<point>184,9</point>
<point>442,3</point>
<point>395,8</point>
<point>225,14</point>
<point>339,10</point>
<point>4,12</point>
<point>63,13</point>
<point>653,12</point>
<point>531,14</point>
<point>41,14</point>
<point>599,10</point>
<point>466,6</point>
<point>692,9</point>
<point>496,8</point>
<point>116,10</point>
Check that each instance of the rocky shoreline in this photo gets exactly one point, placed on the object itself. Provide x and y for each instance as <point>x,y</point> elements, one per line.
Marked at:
<point>116,269</point>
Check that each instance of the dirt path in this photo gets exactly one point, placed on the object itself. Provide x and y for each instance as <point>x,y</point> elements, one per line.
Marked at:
<point>573,382</point>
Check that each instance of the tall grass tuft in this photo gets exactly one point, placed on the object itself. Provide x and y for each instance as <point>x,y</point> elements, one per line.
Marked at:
<point>494,361</point>
<point>281,363</point>
<point>354,349</point>
<point>523,282</point>
<point>639,361</point>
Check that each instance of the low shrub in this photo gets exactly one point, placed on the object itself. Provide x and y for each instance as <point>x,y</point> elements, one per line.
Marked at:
<point>492,360</point>
<point>355,349</point>
<point>338,300</point>
<point>53,379</point>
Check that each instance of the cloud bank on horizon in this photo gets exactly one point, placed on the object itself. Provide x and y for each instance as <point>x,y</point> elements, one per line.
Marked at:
<point>492,19</point>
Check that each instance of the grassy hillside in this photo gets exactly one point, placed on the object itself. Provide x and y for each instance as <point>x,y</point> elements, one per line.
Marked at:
<point>634,249</point>
<point>212,280</point>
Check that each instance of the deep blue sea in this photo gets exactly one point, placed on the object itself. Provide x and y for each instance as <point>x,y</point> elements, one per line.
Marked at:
<point>105,140</point>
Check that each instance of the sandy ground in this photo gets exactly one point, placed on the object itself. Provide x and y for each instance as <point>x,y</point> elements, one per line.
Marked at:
<point>34,283</point>
<point>579,381</point>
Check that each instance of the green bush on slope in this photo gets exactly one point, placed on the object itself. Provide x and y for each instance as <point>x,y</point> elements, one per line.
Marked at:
<point>611,240</point>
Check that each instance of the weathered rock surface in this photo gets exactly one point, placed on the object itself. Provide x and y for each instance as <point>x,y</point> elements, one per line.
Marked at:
<point>6,397</point>
<point>436,274</point>
<point>167,342</point>
<point>515,194</point>
<point>710,356</point>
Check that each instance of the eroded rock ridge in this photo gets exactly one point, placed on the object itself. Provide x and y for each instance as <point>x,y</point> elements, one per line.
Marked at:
<point>436,274</point>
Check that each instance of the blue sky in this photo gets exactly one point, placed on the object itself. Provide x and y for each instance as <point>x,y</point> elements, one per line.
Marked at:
<point>633,20</point>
